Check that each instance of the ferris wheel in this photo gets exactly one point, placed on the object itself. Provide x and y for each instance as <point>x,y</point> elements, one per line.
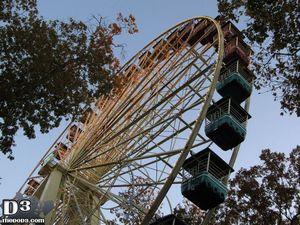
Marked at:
<point>150,130</point>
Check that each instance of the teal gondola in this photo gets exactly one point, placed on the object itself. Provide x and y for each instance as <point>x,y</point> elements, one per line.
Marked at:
<point>202,175</point>
<point>226,123</point>
<point>235,81</point>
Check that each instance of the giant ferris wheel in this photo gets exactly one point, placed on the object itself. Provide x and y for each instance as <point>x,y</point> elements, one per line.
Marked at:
<point>158,127</point>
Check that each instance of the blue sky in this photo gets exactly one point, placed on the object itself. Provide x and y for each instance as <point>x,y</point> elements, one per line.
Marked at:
<point>266,129</point>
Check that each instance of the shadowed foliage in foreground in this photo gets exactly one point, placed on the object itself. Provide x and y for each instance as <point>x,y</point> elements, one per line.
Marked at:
<point>51,70</point>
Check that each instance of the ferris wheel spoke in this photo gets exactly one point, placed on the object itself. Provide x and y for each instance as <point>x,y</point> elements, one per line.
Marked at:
<point>157,158</point>
<point>120,144</point>
<point>109,195</point>
<point>127,161</point>
<point>142,185</point>
<point>172,135</point>
<point>79,209</point>
<point>162,88</point>
<point>145,88</point>
<point>161,102</point>
<point>200,96</point>
<point>136,167</point>
<point>151,128</point>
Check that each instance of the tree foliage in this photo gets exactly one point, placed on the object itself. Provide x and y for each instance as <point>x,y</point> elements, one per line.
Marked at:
<point>137,194</point>
<point>50,70</point>
<point>273,29</point>
<point>189,213</point>
<point>266,193</point>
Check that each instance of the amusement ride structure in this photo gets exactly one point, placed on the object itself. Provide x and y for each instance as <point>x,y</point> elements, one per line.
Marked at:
<point>159,126</point>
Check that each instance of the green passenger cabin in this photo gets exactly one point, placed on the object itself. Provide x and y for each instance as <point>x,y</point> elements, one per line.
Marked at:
<point>226,123</point>
<point>202,174</point>
<point>235,81</point>
<point>168,220</point>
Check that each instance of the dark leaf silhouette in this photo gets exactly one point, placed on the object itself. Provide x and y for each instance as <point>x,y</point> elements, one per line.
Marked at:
<point>51,70</point>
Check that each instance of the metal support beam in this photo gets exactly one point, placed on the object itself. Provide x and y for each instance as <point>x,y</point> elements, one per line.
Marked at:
<point>95,217</point>
<point>50,192</point>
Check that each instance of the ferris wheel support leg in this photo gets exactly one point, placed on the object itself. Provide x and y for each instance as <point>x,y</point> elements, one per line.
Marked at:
<point>50,191</point>
<point>96,215</point>
<point>40,189</point>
